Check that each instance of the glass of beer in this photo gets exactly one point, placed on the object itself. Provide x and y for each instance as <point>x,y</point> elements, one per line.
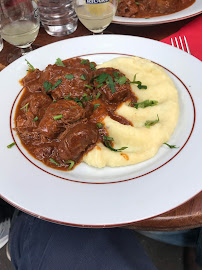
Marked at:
<point>95,15</point>
<point>19,25</point>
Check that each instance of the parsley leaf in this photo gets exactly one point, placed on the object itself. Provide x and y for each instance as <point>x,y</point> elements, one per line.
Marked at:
<point>92,66</point>
<point>108,144</point>
<point>143,104</point>
<point>71,164</point>
<point>96,106</point>
<point>25,107</point>
<point>170,146</point>
<point>139,83</point>
<point>56,84</point>
<point>121,80</point>
<point>59,62</point>
<point>150,123</point>
<point>47,85</point>
<point>54,162</point>
<point>111,84</point>
<point>83,77</point>
<point>35,119</point>
<point>10,145</point>
<point>84,62</point>
<point>69,76</point>
<point>31,68</point>
<point>57,117</point>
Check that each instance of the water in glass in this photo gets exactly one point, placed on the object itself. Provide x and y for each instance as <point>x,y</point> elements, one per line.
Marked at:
<point>57,17</point>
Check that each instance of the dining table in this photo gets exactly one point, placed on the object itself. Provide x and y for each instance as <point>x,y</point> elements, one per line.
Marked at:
<point>189,214</point>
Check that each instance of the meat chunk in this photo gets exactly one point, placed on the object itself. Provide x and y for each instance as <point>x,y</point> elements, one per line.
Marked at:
<point>25,122</point>
<point>32,81</point>
<point>80,63</point>
<point>37,103</point>
<point>127,8</point>
<point>64,81</point>
<point>77,139</point>
<point>58,115</point>
<point>113,85</point>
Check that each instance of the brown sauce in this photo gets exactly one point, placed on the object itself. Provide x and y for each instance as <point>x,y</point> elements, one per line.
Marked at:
<point>151,8</point>
<point>60,114</point>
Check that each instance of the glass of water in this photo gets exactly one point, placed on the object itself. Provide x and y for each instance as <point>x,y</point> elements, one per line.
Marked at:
<point>19,25</point>
<point>95,15</point>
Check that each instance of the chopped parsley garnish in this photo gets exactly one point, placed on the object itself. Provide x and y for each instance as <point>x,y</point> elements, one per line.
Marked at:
<point>101,78</point>
<point>54,162</point>
<point>31,68</point>
<point>25,107</point>
<point>57,117</point>
<point>47,85</point>
<point>88,86</point>
<point>59,62</point>
<point>99,125</point>
<point>111,84</point>
<point>121,80</point>
<point>10,145</point>
<point>105,77</point>
<point>96,106</point>
<point>83,77</point>
<point>171,146</point>
<point>143,104</point>
<point>84,62</point>
<point>56,84</point>
<point>115,74</point>
<point>92,66</point>
<point>78,101</point>
<point>139,83</point>
<point>35,119</point>
<point>100,85</point>
<point>150,123</point>
<point>108,138</point>
<point>85,97</point>
<point>71,164</point>
<point>68,97</point>
<point>108,144</point>
<point>69,76</point>
<point>98,95</point>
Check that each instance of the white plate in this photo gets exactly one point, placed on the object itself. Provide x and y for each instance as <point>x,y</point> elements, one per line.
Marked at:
<point>189,12</point>
<point>109,196</point>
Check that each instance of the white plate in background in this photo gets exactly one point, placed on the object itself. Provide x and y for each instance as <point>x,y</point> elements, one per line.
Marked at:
<point>189,12</point>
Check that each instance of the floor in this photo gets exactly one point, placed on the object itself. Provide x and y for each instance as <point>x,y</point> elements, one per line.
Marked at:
<point>164,257</point>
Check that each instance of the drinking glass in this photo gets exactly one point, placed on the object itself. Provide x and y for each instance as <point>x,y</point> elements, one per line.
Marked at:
<point>95,15</point>
<point>19,25</point>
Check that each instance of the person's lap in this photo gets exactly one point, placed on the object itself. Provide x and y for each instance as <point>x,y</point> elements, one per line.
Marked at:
<point>40,245</point>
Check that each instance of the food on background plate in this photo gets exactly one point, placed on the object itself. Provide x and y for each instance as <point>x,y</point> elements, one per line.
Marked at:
<point>150,8</point>
<point>115,114</point>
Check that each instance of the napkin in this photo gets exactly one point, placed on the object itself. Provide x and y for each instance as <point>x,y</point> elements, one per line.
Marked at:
<point>193,33</point>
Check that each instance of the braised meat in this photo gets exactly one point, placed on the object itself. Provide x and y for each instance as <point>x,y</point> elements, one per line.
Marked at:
<point>77,139</point>
<point>37,103</point>
<point>80,63</point>
<point>58,115</point>
<point>64,81</point>
<point>150,8</point>
<point>113,85</point>
<point>32,81</point>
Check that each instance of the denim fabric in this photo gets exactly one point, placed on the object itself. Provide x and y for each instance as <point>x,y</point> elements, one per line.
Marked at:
<point>185,238</point>
<point>40,245</point>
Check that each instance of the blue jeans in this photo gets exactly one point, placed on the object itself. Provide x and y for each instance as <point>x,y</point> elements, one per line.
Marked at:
<point>35,244</point>
<point>186,238</point>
